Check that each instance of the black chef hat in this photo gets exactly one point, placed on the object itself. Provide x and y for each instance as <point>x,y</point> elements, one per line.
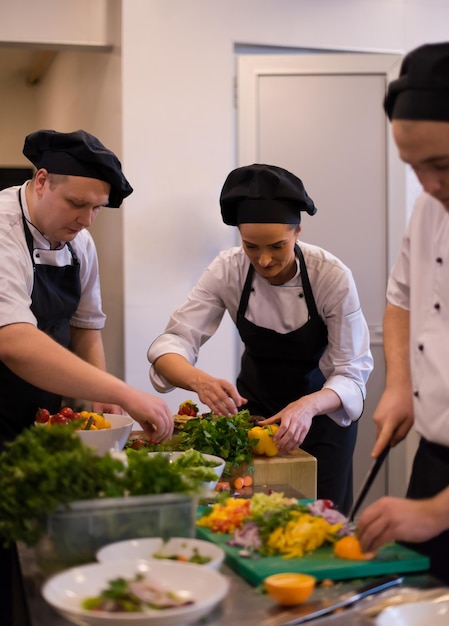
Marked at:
<point>422,90</point>
<point>78,154</point>
<point>263,194</point>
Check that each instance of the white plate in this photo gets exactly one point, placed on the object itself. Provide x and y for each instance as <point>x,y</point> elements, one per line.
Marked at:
<point>415,614</point>
<point>67,590</point>
<point>146,548</point>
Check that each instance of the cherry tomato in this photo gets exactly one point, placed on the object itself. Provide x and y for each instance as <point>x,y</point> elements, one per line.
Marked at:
<point>137,444</point>
<point>67,412</point>
<point>42,416</point>
<point>57,418</point>
<point>76,415</point>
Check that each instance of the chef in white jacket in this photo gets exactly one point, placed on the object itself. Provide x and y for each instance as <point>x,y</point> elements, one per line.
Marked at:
<point>416,320</point>
<point>307,357</point>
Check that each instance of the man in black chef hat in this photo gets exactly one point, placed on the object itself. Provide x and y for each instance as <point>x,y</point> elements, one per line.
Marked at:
<point>50,303</point>
<point>416,323</point>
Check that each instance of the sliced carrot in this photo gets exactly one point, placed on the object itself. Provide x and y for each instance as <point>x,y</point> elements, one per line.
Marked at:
<point>238,482</point>
<point>223,486</point>
<point>247,481</point>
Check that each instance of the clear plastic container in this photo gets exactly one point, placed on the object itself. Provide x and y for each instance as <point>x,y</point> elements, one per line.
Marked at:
<point>73,536</point>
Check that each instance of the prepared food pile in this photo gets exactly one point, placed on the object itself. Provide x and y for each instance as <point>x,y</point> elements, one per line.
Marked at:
<point>195,557</point>
<point>269,525</point>
<point>187,410</point>
<point>85,420</point>
<point>225,437</point>
<point>135,596</point>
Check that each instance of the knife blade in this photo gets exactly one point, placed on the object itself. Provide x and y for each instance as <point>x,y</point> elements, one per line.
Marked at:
<point>362,592</point>
<point>369,479</point>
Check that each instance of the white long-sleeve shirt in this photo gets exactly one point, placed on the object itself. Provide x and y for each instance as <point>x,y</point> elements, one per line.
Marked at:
<point>346,362</point>
<point>419,283</point>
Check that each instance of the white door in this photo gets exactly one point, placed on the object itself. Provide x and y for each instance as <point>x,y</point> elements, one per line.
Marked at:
<point>321,117</point>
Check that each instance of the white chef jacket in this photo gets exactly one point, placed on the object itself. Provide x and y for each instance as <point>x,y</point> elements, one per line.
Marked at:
<point>16,268</point>
<point>419,283</point>
<point>346,362</point>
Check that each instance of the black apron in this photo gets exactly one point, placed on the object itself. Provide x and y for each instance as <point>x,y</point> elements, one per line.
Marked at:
<point>54,299</point>
<point>430,475</point>
<point>278,368</point>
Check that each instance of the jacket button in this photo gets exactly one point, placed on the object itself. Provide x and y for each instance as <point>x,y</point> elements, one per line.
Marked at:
<point>439,260</point>
<point>416,394</point>
<point>421,347</point>
<point>436,306</point>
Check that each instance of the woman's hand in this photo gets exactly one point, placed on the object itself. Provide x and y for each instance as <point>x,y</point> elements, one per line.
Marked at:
<point>218,394</point>
<point>296,418</point>
<point>294,424</point>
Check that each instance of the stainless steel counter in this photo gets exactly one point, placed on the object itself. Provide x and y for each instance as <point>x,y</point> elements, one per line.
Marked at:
<point>244,604</point>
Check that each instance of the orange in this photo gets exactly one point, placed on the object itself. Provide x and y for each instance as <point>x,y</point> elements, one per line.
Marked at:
<point>290,588</point>
<point>349,548</point>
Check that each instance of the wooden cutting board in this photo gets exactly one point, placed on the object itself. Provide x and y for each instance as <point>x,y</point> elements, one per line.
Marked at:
<point>391,559</point>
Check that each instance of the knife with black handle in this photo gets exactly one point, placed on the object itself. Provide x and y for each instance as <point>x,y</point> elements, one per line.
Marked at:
<point>372,473</point>
<point>377,586</point>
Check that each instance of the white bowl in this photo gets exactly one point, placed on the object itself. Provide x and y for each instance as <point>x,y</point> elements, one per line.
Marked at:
<point>218,468</point>
<point>176,546</point>
<point>67,590</point>
<point>424,613</point>
<point>109,438</point>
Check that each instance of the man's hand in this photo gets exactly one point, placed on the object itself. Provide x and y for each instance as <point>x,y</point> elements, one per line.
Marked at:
<point>104,407</point>
<point>399,519</point>
<point>152,413</point>
<point>393,418</point>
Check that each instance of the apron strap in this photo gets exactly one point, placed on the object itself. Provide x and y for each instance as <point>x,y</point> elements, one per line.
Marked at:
<point>246,291</point>
<point>29,237</point>
<point>310,300</point>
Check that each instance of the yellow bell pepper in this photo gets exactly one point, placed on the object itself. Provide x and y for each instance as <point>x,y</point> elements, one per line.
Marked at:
<point>265,445</point>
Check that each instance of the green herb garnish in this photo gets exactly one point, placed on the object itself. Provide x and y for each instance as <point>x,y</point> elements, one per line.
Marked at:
<point>226,437</point>
<point>44,468</point>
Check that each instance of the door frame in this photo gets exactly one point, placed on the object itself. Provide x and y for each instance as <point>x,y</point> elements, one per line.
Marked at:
<point>251,67</point>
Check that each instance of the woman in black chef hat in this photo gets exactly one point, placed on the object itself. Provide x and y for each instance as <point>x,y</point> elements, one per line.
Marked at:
<point>306,354</point>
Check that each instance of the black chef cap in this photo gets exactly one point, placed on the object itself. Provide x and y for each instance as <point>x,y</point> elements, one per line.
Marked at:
<point>422,90</point>
<point>78,154</point>
<point>263,194</point>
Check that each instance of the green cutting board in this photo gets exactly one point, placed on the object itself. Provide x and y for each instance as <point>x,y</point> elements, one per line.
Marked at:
<point>322,563</point>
